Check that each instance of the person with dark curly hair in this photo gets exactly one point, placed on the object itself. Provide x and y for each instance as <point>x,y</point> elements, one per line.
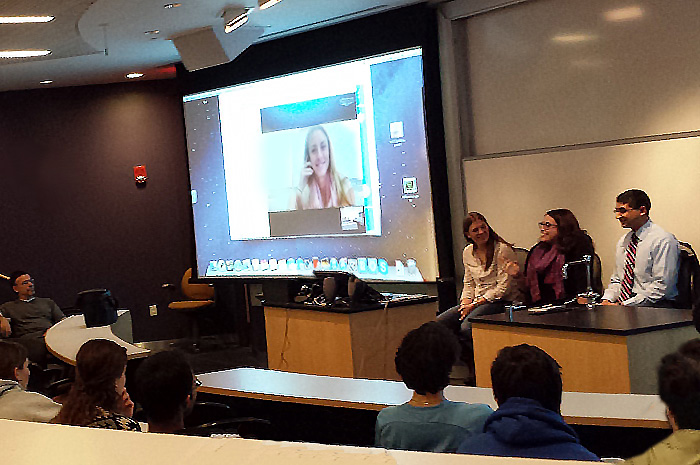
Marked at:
<point>679,389</point>
<point>166,389</point>
<point>527,386</point>
<point>98,397</point>
<point>561,240</point>
<point>428,422</point>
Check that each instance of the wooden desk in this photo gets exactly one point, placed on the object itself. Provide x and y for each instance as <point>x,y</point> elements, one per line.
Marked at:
<point>73,445</point>
<point>65,337</point>
<point>611,349</point>
<point>354,344</point>
<point>624,410</point>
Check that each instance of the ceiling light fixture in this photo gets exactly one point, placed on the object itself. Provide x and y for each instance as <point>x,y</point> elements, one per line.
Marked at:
<point>234,18</point>
<point>573,38</point>
<point>134,75</point>
<point>264,4</point>
<point>25,19</point>
<point>623,14</point>
<point>23,53</point>
<point>47,81</point>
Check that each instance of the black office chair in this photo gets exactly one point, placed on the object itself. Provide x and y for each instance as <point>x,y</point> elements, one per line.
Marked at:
<point>688,276</point>
<point>209,418</point>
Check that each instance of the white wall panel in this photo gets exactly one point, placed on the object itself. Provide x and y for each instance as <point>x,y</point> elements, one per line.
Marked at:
<point>611,80</point>
<point>515,192</point>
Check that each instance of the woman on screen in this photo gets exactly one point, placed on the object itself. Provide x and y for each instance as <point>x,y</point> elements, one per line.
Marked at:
<point>321,186</point>
<point>488,288</point>
<point>561,240</point>
<point>98,398</point>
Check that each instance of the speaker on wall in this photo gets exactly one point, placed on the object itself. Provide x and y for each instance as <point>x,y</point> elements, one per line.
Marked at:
<point>205,47</point>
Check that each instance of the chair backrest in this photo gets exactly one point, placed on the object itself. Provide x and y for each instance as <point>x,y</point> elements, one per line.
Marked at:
<point>196,291</point>
<point>597,274</point>
<point>521,255</point>
<point>688,276</point>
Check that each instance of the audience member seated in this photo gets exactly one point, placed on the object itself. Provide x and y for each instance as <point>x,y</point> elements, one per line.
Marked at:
<point>30,317</point>
<point>487,287</point>
<point>166,388</point>
<point>679,389</point>
<point>98,398</point>
<point>646,258</point>
<point>527,387</point>
<point>561,240</point>
<point>15,402</point>
<point>428,422</point>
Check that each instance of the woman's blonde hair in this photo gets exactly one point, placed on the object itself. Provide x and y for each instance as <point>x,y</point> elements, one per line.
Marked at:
<point>336,178</point>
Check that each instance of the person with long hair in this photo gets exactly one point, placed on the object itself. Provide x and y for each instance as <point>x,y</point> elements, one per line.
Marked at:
<point>321,185</point>
<point>98,398</point>
<point>488,288</point>
<point>561,240</point>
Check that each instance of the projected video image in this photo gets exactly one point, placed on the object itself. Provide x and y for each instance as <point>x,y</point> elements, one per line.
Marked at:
<point>320,169</point>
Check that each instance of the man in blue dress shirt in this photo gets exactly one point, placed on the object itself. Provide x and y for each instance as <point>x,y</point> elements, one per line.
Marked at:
<point>646,258</point>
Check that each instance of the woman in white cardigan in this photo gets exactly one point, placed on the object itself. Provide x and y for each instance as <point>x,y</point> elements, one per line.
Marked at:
<point>488,288</point>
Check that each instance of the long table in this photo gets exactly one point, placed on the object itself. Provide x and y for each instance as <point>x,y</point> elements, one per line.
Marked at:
<point>26,443</point>
<point>611,349</point>
<point>622,410</point>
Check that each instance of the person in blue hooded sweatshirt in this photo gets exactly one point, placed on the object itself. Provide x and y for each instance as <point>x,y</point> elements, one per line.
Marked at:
<point>527,387</point>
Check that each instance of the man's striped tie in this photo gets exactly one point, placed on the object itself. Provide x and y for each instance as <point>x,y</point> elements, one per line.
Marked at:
<point>628,278</point>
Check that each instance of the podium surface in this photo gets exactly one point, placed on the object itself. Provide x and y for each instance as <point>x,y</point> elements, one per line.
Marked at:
<point>611,349</point>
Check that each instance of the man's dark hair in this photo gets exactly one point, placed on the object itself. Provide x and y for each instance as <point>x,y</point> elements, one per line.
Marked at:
<point>12,355</point>
<point>679,384</point>
<point>635,198</point>
<point>163,382</point>
<point>14,275</point>
<point>425,357</point>
<point>529,372</point>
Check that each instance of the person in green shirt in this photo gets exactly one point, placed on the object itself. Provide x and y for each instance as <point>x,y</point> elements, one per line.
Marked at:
<point>679,389</point>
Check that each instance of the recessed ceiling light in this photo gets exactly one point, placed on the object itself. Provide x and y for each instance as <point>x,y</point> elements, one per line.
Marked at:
<point>48,81</point>
<point>624,14</point>
<point>264,4</point>
<point>573,38</point>
<point>23,53</point>
<point>25,19</point>
<point>134,75</point>
<point>172,5</point>
<point>234,18</point>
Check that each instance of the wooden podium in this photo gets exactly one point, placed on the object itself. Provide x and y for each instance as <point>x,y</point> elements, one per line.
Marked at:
<point>351,343</point>
<point>611,349</point>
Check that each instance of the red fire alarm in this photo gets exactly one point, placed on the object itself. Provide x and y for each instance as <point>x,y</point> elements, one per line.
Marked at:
<point>140,175</point>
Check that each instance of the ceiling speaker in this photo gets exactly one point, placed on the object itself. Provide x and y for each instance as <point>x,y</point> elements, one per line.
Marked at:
<point>206,47</point>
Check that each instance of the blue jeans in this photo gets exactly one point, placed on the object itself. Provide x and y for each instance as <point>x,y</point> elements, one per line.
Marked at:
<point>463,329</point>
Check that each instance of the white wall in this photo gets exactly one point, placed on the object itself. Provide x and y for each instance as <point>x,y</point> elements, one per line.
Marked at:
<point>515,192</point>
<point>550,123</point>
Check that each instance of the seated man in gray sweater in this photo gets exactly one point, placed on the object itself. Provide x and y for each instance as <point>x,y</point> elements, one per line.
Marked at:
<point>15,402</point>
<point>29,316</point>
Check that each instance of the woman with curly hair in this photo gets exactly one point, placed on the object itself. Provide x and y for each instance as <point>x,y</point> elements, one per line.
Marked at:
<point>98,398</point>
<point>561,240</point>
